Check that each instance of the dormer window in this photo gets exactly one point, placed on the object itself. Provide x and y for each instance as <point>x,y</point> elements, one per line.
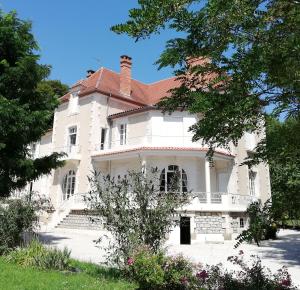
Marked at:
<point>73,103</point>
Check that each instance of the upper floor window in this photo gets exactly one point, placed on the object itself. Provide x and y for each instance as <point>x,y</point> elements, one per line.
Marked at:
<point>72,139</point>
<point>171,178</point>
<point>68,186</point>
<point>103,137</point>
<point>123,133</point>
<point>252,183</point>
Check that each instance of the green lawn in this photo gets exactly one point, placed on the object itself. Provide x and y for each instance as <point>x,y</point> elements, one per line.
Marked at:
<point>14,277</point>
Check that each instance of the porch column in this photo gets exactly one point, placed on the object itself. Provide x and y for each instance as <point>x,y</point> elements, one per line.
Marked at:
<point>207,180</point>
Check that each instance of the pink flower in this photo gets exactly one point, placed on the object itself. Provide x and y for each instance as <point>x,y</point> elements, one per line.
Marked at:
<point>130,261</point>
<point>202,275</point>
<point>184,280</point>
<point>286,282</point>
<point>241,252</point>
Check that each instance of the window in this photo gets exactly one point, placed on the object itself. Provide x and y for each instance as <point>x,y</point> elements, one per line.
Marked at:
<point>103,136</point>
<point>68,186</point>
<point>252,178</point>
<point>168,179</point>
<point>73,103</point>
<point>242,223</point>
<point>72,136</point>
<point>123,134</point>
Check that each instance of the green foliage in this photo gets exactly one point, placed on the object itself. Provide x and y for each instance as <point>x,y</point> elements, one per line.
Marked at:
<point>249,53</point>
<point>52,88</point>
<point>147,269</point>
<point>25,108</point>
<point>261,224</point>
<point>13,276</point>
<point>37,255</point>
<point>282,155</point>
<point>159,272</point>
<point>16,218</point>
<point>134,210</point>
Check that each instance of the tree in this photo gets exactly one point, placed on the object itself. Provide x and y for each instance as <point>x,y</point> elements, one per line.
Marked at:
<point>283,155</point>
<point>134,210</point>
<point>261,224</point>
<point>52,88</point>
<point>248,60</point>
<point>25,111</point>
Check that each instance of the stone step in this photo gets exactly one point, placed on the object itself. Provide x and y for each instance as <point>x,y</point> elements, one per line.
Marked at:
<point>79,227</point>
<point>80,221</point>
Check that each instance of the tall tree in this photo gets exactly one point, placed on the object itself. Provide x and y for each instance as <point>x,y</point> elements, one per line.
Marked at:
<point>52,88</point>
<point>249,52</point>
<point>283,156</point>
<point>25,111</point>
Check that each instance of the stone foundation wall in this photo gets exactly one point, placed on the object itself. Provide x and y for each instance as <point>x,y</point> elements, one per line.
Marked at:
<point>209,223</point>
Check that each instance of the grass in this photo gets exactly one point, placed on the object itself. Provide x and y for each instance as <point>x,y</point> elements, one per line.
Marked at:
<point>14,277</point>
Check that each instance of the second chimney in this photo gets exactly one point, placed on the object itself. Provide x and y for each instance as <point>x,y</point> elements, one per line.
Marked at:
<point>125,75</point>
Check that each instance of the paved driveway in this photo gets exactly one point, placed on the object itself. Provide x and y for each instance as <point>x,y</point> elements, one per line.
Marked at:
<point>285,251</point>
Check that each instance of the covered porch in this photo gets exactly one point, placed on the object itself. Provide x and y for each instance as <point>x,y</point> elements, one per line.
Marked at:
<point>211,185</point>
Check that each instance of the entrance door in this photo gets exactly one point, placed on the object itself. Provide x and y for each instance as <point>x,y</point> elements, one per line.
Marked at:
<point>185,230</point>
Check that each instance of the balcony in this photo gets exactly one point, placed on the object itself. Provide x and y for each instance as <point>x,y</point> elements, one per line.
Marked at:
<point>151,141</point>
<point>219,201</point>
<point>72,152</point>
<point>200,201</point>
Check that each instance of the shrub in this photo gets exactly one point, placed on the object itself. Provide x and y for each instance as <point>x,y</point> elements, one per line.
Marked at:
<point>37,255</point>
<point>261,224</point>
<point>15,219</point>
<point>157,271</point>
<point>134,210</point>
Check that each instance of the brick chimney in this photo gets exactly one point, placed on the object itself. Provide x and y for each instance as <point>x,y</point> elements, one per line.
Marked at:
<point>125,75</point>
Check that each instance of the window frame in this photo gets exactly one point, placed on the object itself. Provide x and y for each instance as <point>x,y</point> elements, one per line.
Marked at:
<point>71,134</point>
<point>123,133</point>
<point>68,184</point>
<point>166,176</point>
<point>103,134</point>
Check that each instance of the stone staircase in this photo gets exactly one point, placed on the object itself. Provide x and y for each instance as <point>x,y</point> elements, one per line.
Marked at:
<point>80,220</point>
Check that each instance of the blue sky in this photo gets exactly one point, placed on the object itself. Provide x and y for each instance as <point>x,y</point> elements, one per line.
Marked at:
<point>75,36</point>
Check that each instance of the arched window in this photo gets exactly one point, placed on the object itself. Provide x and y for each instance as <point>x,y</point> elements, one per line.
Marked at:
<point>168,178</point>
<point>68,186</point>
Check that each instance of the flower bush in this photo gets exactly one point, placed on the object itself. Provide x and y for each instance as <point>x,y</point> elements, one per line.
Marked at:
<point>158,271</point>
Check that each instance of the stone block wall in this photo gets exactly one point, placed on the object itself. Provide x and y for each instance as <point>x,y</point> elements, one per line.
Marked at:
<point>209,223</point>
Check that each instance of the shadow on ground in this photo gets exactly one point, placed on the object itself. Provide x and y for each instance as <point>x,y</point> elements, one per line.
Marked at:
<point>286,249</point>
<point>51,239</point>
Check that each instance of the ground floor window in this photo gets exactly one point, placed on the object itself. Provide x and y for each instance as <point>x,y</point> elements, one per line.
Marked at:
<point>170,176</point>
<point>242,224</point>
<point>68,186</point>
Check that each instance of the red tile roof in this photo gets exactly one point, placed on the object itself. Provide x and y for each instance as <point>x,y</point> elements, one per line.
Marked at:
<point>107,82</point>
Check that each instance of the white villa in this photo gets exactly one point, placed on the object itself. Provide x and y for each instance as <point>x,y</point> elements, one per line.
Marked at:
<point>108,122</point>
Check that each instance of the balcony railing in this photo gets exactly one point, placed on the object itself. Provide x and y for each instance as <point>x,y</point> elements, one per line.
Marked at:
<point>223,198</point>
<point>149,140</point>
